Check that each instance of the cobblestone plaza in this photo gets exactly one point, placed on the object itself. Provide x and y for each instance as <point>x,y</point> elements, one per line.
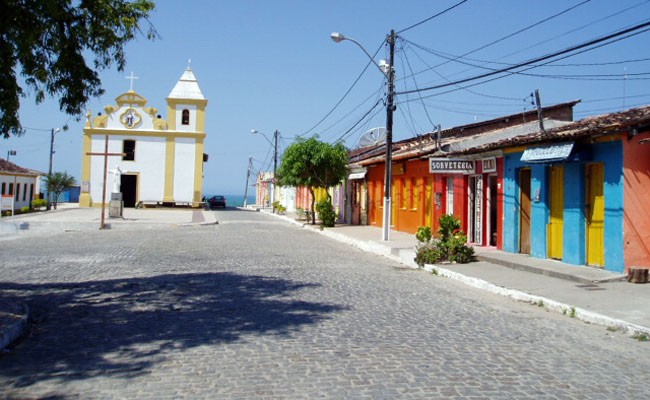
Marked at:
<point>256,308</point>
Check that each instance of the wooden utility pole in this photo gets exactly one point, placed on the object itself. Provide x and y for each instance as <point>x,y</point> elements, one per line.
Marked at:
<point>105,154</point>
<point>538,102</point>
<point>390,107</point>
<point>248,175</point>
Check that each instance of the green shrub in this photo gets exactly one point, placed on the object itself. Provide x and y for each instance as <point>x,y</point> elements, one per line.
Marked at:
<point>423,235</point>
<point>326,213</point>
<point>24,209</point>
<point>279,208</point>
<point>39,203</point>
<point>450,244</point>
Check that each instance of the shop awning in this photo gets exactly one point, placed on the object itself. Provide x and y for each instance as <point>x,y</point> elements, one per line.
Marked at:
<point>548,153</point>
<point>357,175</point>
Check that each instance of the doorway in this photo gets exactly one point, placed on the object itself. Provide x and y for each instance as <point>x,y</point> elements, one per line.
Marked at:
<point>556,224</point>
<point>129,188</point>
<point>492,222</point>
<point>356,202</point>
<point>524,211</point>
<point>475,234</point>
<point>595,214</point>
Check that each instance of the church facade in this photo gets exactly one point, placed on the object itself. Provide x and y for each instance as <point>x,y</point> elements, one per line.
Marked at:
<point>150,160</point>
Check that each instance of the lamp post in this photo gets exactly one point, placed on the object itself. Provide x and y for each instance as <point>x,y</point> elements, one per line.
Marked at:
<point>49,171</point>
<point>10,153</point>
<point>389,73</point>
<point>276,134</point>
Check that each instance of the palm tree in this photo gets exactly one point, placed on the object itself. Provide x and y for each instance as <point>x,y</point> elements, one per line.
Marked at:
<point>56,184</point>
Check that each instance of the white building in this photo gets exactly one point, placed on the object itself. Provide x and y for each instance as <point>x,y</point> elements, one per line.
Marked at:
<point>162,161</point>
<point>18,183</point>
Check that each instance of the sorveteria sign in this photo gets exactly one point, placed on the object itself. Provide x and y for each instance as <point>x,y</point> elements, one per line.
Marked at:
<point>451,166</point>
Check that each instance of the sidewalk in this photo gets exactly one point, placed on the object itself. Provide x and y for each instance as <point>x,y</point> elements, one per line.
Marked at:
<point>70,218</point>
<point>593,295</point>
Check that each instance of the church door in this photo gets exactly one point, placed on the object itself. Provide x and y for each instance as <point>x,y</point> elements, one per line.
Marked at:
<point>129,188</point>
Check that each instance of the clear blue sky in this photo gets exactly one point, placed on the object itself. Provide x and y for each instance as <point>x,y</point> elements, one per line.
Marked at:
<point>271,65</point>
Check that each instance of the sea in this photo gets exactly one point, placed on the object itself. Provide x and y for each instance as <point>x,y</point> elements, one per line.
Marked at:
<point>235,200</point>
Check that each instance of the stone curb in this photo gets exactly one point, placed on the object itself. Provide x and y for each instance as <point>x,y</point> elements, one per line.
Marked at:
<point>552,305</point>
<point>14,330</point>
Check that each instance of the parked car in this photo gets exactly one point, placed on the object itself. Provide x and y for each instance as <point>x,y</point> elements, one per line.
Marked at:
<point>216,201</point>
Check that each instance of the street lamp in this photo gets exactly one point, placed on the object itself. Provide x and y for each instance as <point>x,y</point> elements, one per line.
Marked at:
<point>276,134</point>
<point>10,153</point>
<point>389,73</point>
<point>49,173</point>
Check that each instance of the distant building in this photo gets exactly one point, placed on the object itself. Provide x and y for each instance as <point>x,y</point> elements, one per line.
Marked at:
<point>22,183</point>
<point>162,161</point>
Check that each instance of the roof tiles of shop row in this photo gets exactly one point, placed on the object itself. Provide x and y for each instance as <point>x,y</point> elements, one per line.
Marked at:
<point>456,141</point>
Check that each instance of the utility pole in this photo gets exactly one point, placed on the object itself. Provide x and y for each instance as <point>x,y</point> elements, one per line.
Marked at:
<point>275,168</point>
<point>538,102</point>
<point>390,107</point>
<point>49,173</point>
<point>248,175</point>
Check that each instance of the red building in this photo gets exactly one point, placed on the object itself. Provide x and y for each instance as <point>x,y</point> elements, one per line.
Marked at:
<point>428,181</point>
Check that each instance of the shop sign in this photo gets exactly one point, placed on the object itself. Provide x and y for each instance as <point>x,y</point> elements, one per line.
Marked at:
<point>548,153</point>
<point>450,166</point>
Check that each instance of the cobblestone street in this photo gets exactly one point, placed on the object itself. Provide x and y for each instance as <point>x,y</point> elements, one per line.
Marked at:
<point>260,309</point>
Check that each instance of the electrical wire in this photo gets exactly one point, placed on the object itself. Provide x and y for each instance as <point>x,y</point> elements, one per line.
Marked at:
<point>426,111</point>
<point>431,17</point>
<point>344,135</point>
<point>465,88</point>
<point>587,25</point>
<point>370,62</point>
<point>629,32</point>
<point>375,93</point>
<point>555,37</point>
<point>603,77</point>
<point>515,33</point>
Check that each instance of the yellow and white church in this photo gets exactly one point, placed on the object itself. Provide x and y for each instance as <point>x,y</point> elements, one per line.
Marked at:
<point>154,160</point>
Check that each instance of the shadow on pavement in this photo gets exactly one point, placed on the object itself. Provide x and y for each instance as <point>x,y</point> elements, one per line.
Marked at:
<point>122,327</point>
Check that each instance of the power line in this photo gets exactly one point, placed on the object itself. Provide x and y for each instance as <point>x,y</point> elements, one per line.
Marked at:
<point>343,137</point>
<point>514,33</point>
<point>431,17</point>
<point>604,77</point>
<point>590,24</point>
<point>542,58</point>
<point>462,88</point>
<point>345,94</point>
<point>375,93</point>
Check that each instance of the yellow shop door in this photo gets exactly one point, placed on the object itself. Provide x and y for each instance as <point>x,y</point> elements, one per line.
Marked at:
<point>556,223</point>
<point>595,214</point>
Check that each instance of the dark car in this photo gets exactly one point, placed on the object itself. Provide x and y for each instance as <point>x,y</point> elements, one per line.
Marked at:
<point>216,201</point>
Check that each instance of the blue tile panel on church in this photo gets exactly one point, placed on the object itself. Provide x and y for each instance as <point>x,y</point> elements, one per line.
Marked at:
<point>574,215</point>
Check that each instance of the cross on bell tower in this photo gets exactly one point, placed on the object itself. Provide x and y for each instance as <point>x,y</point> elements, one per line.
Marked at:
<point>132,78</point>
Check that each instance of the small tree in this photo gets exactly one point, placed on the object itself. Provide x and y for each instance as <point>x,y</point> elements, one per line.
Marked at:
<point>56,184</point>
<point>314,164</point>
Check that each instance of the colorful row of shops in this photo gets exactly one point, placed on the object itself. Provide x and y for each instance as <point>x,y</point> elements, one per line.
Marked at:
<point>577,192</point>
<point>573,191</point>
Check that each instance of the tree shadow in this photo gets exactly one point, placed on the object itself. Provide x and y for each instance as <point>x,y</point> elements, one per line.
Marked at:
<point>122,327</point>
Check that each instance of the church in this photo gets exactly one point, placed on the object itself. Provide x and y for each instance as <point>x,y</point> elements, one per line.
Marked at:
<point>150,160</point>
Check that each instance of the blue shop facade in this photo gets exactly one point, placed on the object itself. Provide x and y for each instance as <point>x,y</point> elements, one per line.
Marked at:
<point>564,200</point>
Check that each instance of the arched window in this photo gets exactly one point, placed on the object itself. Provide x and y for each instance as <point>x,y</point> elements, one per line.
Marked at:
<point>128,148</point>
<point>185,120</point>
